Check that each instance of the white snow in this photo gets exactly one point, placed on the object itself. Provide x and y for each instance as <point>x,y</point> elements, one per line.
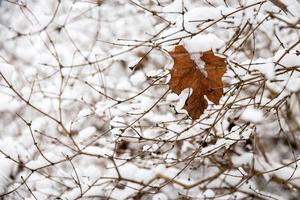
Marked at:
<point>119,120</point>
<point>85,112</point>
<point>294,84</point>
<point>160,196</point>
<point>197,15</point>
<point>183,96</point>
<point>7,70</point>
<point>172,97</point>
<point>287,59</point>
<point>265,66</point>
<point>7,166</point>
<point>209,193</point>
<point>86,133</point>
<point>138,78</point>
<point>203,42</point>
<point>252,115</point>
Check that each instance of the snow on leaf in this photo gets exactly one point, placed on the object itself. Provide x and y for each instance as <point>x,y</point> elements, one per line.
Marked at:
<point>186,74</point>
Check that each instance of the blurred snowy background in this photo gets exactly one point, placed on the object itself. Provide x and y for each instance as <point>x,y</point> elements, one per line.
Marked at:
<point>86,111</point>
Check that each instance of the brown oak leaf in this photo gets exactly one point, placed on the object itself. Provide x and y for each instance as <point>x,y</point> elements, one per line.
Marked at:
<point>186,74</point>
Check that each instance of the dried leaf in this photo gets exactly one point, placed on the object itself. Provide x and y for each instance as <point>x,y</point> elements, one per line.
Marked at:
<point>186,74</point>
